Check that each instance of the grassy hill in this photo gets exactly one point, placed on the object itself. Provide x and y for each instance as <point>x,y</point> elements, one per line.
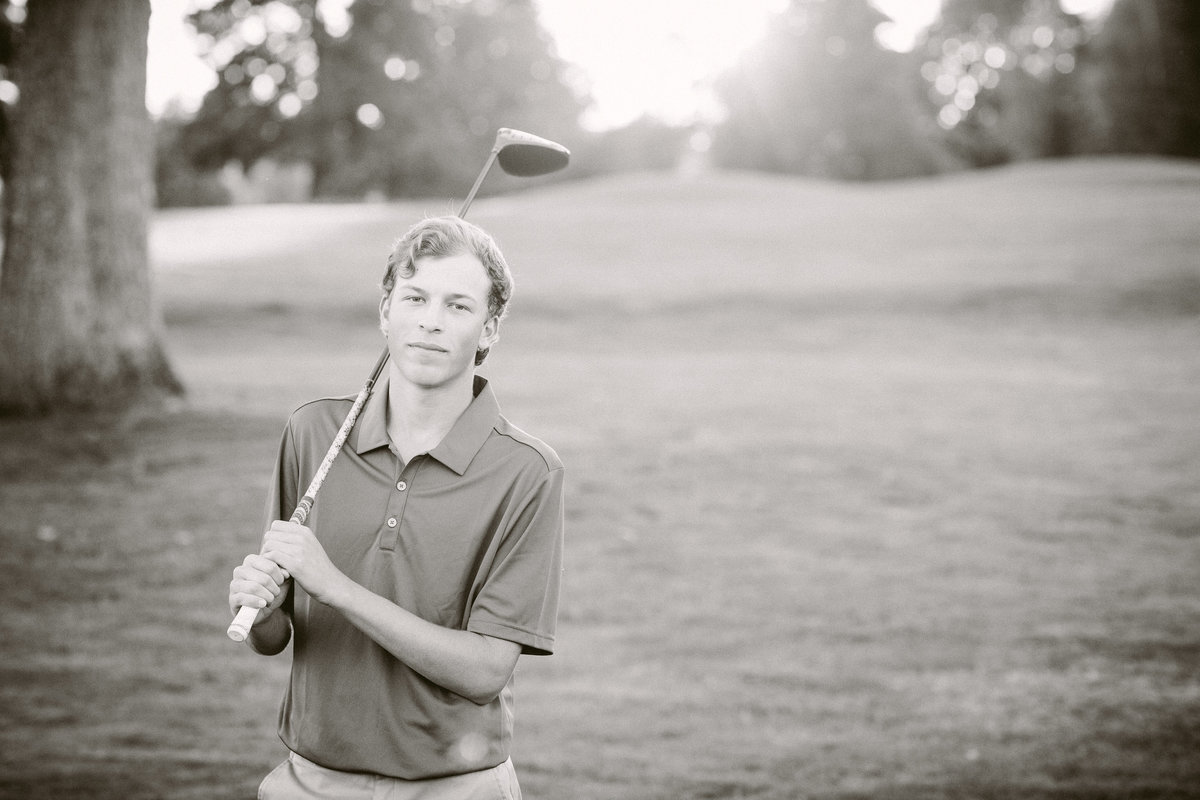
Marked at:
<point>1034,224</point>
<point>874,490</point>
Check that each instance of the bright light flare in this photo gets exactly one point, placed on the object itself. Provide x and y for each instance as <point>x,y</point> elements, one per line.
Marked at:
<point>369,116</point>
<point>660,56</point>
<point>634,56</point>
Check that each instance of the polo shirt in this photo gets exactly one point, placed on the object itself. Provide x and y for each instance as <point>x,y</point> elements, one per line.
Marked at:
<point>468,536</point>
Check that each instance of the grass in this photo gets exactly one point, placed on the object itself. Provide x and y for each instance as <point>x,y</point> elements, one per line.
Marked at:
<point>879,491</point>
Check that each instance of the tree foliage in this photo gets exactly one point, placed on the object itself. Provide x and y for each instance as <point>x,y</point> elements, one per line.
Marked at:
<point>992,81</point>
<point>819,96</point>
<point>398,96</point>
<point>1002,78</point>
<point>10,28</point>
<point>1148,57</point>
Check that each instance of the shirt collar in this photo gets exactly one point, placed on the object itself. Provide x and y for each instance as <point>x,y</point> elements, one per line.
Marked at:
<point>461,444</point>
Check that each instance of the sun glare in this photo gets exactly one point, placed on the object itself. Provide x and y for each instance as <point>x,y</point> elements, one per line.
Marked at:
<point>653,55</point>
<point>635,57</point>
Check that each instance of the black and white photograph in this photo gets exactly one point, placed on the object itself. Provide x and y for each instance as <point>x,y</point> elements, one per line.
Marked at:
<point>600,399</point>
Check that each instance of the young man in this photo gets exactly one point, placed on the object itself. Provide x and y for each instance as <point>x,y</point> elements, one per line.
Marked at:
<point>431,559</point>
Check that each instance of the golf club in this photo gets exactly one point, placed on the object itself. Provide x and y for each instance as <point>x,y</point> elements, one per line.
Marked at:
<point>519,153</point>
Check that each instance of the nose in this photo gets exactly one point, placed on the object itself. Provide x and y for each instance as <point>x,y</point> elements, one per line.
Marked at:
<point>431,319</point>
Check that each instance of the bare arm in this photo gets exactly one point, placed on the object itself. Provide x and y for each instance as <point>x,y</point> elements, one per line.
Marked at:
<point>469,664</point>
<point>472,665</point>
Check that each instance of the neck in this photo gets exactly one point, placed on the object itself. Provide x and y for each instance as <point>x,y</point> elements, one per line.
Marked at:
<point>419,417</point>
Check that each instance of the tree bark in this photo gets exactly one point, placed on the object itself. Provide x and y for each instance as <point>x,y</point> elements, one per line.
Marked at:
<point>79,329</point>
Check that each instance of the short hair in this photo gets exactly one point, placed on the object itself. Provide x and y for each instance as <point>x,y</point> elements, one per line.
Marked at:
<point>441,237</point>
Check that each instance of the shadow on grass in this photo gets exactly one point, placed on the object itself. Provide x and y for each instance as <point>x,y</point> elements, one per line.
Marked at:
<point>153,775</point>
<point>116,543</point>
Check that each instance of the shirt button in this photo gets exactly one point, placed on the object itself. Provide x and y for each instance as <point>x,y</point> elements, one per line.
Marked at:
<point>391,523</point>
<point>401,486</point>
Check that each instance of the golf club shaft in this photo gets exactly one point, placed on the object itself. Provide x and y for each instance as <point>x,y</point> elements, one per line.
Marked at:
<point>462,212</point>
<point>239,629</point>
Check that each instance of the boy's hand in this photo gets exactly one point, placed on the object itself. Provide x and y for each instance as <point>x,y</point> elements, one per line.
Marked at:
<point>296,550</point>
<point>258,582</point>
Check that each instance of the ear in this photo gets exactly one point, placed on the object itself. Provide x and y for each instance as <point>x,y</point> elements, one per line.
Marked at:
<point>490,333</point>
<point>384,306</point>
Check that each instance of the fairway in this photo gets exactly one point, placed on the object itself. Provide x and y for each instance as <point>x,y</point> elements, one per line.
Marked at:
<point>874,490</point>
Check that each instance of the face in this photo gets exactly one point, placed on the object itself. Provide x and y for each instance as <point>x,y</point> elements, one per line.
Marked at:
<point>435,320</point>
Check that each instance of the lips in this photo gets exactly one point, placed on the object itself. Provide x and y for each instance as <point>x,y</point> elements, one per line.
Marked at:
<point>433,348</point>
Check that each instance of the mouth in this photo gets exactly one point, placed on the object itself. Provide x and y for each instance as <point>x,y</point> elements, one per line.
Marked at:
<point>432,348</point>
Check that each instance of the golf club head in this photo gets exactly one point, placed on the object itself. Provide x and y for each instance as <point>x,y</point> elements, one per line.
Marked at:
<point>525,155</point>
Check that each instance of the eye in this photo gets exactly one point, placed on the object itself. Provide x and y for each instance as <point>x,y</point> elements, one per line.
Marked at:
<point>460,307</point>
<point>413,298</point>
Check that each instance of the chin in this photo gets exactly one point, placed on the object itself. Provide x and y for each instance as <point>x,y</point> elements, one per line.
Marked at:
<point>425,380</point>
<point>429,378</point>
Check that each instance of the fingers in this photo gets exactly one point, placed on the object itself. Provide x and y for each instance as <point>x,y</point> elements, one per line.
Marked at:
<point>280,526</point>
<point>282,551</point>
<point>287,535</point>
<point>287,543</point>
<point>258,582</point>
<point>264,564</point>
<point>298,552</point>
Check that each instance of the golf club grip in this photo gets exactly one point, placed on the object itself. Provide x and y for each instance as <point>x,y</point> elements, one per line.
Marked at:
<point>239,629</point>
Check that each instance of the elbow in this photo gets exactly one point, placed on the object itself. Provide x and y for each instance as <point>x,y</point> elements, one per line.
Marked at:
<point>270,636</point>
<point>487,689</point>
<point>492,668</point>
<point>491,679</point>
<point>269,647</point>
<point>482,698</point>
<point>272,649</point>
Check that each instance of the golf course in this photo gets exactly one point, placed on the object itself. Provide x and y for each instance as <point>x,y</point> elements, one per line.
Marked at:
<point>874,490</point>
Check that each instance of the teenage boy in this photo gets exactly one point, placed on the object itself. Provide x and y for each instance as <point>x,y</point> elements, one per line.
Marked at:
<point>430,561</point>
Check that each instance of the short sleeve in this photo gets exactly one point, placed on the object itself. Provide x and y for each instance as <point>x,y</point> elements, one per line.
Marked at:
<point>282,495</point>
<point>519,600</point>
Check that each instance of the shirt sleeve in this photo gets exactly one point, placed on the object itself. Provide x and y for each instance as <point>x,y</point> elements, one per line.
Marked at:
<point>281,495</point>
<point>519,601</point>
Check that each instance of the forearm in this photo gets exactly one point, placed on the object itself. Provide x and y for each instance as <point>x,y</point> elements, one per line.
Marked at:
<point>471,665</point>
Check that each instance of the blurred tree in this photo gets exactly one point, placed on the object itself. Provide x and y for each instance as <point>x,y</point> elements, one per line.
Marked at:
<point>78,326</point>
<point>819,96</point>
<point>644,144</point>
<point>1002,78</point>
<point>11,17</point>
<point>1148,54</point>
<point>176,181</point>
<point>396,96</point>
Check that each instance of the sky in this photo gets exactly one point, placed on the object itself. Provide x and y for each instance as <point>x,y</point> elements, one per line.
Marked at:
<point>662,65</point>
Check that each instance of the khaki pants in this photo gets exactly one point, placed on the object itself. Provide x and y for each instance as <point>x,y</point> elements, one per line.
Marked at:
<point>300,779</point>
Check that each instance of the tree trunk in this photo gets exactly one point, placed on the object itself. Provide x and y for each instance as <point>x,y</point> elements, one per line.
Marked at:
<point>78,325</point>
